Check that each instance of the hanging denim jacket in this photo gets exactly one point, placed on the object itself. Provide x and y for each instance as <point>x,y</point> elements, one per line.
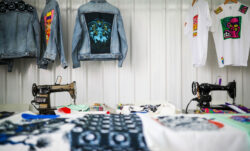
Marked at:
<point>20,32</point>
<point>7,62</point>
<point>99,34</point>
<point>51,34</point>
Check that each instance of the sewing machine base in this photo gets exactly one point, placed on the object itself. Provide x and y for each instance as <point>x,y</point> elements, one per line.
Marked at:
<point>47,112</point>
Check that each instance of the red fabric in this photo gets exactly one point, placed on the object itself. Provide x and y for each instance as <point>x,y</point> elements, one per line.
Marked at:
<point>65,110</point>
<point>220,125</point>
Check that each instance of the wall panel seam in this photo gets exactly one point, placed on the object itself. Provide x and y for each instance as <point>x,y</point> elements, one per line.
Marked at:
<point>149,49</point>
<point>181,47</point>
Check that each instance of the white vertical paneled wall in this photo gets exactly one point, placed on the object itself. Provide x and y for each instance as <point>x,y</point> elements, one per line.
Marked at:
<point>157,69</point>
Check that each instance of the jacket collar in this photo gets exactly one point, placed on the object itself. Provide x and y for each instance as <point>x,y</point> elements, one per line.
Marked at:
<point>98,1</point>
<point>47,1</point>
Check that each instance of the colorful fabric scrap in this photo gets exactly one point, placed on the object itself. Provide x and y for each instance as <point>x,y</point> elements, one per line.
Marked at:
<point>243,9</point>
<point>215,111</point>
<point>65,110</point>
<point>244,108</point>
<point>222,60</point>
<point>195,25</point>
<point>218,10</point>
<point>243,119</point>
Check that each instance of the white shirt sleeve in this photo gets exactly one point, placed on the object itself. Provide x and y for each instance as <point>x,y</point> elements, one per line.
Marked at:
<point>187,23</point>
<point>249,28</point>
<point>208,16</point>
<point>214,22</point>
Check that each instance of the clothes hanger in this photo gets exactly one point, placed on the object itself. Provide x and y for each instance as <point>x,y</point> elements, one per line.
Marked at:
<point>194,1</point>
<point>227,1</point>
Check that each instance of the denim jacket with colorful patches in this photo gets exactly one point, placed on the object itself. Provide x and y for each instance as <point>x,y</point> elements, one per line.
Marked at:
<point>99,34</point>
<point>51,35</point>
<point>19,30</point>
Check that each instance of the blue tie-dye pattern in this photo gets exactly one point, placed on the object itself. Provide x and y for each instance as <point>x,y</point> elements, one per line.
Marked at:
<point>99,31</point>
<point>19,129</point>
<point>3,138</point>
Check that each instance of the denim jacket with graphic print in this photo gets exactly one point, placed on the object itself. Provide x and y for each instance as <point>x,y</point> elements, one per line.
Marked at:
<point>51,34</point>
<point>8,62</point>
<point>99,34</point>
<point>19,30</point>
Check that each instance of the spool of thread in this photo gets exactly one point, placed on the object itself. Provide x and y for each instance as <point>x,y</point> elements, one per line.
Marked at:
<point>97,108</point>
<point>120,106</point>
<point>220,81</point>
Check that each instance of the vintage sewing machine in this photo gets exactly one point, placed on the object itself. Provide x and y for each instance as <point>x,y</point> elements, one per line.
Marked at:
<point>42,93</point>
<point>203,94</point>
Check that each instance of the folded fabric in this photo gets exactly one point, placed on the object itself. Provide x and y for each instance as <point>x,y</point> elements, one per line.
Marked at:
<point>140,109</point>
<point>80,107</point>
<point>153,110</point>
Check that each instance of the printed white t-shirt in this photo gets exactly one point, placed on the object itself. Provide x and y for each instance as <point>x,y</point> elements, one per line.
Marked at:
<point>197,25</point>
<point>231,32</point>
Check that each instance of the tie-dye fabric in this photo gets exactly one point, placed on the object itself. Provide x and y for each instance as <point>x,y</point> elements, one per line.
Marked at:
<point>86,133</point>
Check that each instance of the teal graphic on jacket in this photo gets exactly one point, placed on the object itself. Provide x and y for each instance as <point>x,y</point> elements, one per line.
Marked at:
<point>99,30</point>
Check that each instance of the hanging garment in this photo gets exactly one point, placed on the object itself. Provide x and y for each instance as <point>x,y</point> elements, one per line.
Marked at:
<point>7,62</point>
<point>99,34</point>
<point>231,32</point>
<point>51,34</point>
<point>20,30</point>
<point>197,25</point>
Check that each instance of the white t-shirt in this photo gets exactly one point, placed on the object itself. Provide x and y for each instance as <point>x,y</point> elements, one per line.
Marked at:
<point>231,32</point>
<point>197,25</point>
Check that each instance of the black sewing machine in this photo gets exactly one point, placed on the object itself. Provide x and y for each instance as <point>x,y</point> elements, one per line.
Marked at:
<point>42,93</point>
<point>203,94</point>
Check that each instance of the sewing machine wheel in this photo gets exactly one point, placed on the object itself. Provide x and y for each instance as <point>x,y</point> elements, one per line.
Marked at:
<point>195,87</point>
<point>34,89</point>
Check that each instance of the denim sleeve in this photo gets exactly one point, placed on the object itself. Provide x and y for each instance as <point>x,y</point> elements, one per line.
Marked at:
<point>36,28</point>
<point>60,42</point>
<point>55,43</point>
<point>10,65</point>
<point>76,42</point>
<point>8,62</point>
<point>123,40</point>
